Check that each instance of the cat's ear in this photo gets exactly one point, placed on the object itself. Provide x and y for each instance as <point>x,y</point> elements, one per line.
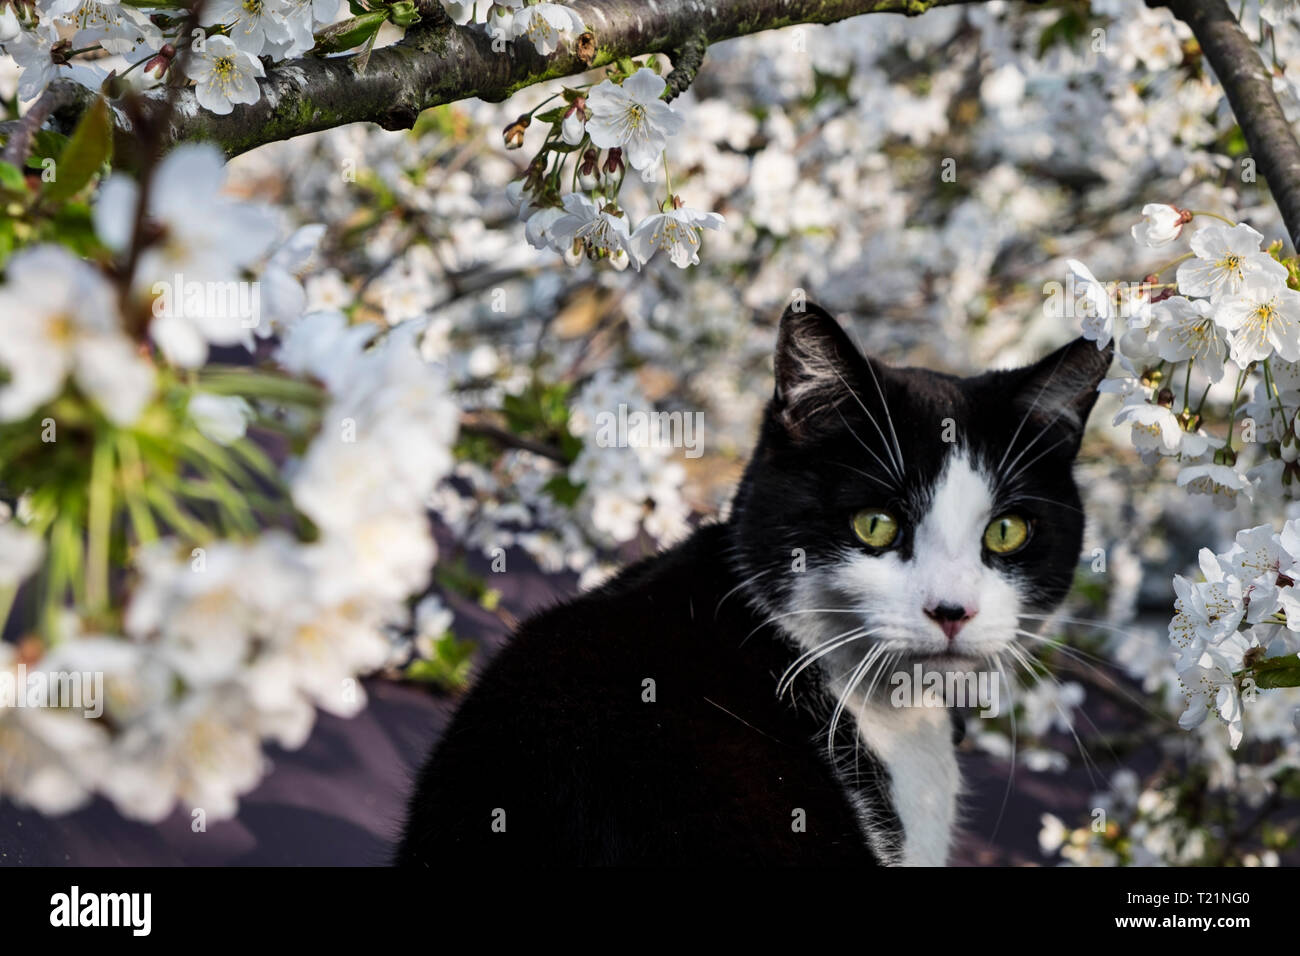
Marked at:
<point>1061,389</point>
<point>815,364</point>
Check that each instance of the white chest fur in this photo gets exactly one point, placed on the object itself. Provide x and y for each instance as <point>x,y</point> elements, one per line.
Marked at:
<point>915,744</point>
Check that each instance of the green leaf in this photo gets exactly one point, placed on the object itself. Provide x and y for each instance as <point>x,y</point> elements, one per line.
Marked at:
<point>46,144</point>
<point>363,58</point>
<point>350,33</point>
<point>7,240</point>
<point>552,116</point>
<point>563,490</point>
<point>403,13</point>
<point>11,177</point>
<point>449,666</point>
<point>1278,672</point>
<point>89,148</point>
<point>1065,31</point>
<point>456,576</point>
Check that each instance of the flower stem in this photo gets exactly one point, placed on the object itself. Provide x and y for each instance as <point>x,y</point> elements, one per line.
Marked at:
<point>1271,388</point>
<point>99,524</point>
<point>131,475</point>
<point>1212,215</point>
<point>1173,262</point>
<point>1232,412</point>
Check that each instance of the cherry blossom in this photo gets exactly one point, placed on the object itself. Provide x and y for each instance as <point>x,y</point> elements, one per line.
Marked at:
<point>633,117</point>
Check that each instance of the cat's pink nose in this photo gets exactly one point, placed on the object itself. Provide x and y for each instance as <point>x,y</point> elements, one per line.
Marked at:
<point>951,618</point>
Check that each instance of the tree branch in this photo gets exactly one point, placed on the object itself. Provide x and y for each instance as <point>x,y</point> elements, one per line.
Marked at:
<point>508,439</point>
<point>1249,88</point>
<point>437,62</point>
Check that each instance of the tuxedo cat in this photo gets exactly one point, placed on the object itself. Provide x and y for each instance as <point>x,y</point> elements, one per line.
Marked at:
<point>723,702</point>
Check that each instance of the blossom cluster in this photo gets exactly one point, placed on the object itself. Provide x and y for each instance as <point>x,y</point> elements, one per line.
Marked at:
<point>544,24</point>
<point>1228,323</point>
<point>254,593</point>
<point>1238,629</point>
<point>626,117</point>
<point>1227,328</point>
<point>1137,826</point>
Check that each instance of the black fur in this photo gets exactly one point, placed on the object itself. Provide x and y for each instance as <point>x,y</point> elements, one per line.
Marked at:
<point>558,735</point>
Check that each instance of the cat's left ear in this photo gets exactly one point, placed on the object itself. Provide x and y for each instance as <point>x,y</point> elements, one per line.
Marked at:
<point>814,364</point>
<point>1061,389</point>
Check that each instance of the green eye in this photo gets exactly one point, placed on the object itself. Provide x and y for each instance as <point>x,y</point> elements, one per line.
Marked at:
<point>1006,534</point>
<point>875,528</point>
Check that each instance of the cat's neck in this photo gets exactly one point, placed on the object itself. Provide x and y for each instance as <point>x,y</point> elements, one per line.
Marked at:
<point>915,745</point>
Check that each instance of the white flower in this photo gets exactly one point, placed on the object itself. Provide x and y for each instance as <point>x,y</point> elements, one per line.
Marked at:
<point>205,239</point>
<point>432,620</point>
<point>51,757</point>
<point>386,436</point>
<point>1187,330</point>
<point>632,117</point>
<point>61,319</point>
<point>327,290</point>
<point>543,24</point>
<point>315,657</point>
<point>196,611</point>
<point>222,418</point>
<point>677,232</point>
<point>31,50</point>
<point>1209,688</point>
<point>1052,834</point>
<point>616,515</point>
<point>1276,12</point>
<point>1099,323</point>
<point>460,11</point>
<point>300,18</point>
<point>1256,555</point>
<point>1289,540</point>
<point>9,25</point>
<point>115,27</point>
<point>1161,224</point>
<point>224,75</point>
<point>539,230</point>
<point>574,126</point>
<point>20,554</point>
<point>598,231</point>
<point>1220,481</point>
<point>203,751</point>
<point>1155,427</point>
<point>251,23</point>
<point>405,294</point>
<point>1262,317</point>
<point>283,298</point>
<point>1214,607</point>
<point>1224,258</point>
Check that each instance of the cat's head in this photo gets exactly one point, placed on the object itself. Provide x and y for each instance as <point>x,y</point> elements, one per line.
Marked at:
<point>909,509</point>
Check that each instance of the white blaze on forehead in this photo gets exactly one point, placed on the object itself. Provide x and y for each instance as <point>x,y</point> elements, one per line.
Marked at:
<point>949,540</point>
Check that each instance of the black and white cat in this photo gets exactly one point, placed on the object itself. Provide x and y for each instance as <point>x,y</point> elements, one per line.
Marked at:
<point>888,517</point>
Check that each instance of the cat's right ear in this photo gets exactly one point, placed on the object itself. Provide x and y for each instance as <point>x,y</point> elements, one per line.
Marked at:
<point>815,364</point>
